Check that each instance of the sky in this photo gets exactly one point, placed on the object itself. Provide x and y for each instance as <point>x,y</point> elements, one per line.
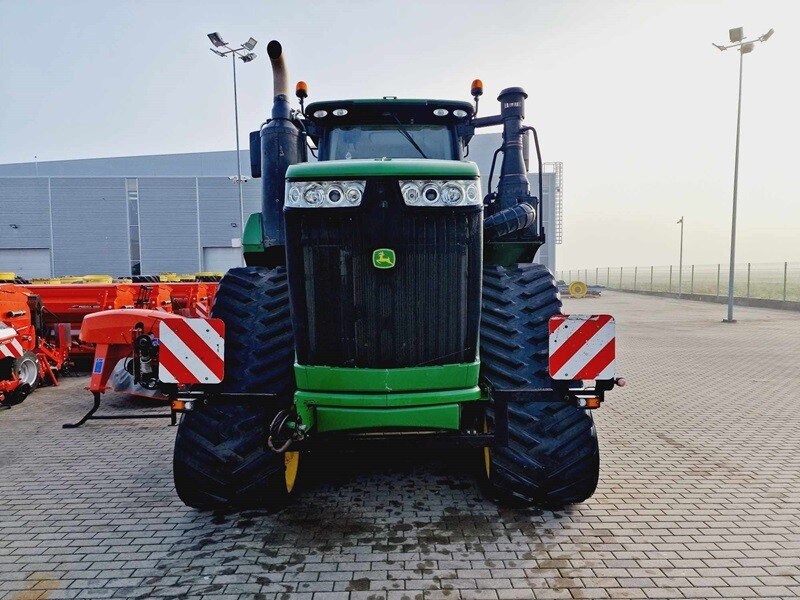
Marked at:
<point>629,95</point>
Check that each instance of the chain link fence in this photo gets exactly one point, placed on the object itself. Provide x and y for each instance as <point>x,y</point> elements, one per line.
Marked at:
<point>768,281</point>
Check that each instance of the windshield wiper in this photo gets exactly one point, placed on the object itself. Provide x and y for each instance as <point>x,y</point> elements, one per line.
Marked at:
<point>406,135</point>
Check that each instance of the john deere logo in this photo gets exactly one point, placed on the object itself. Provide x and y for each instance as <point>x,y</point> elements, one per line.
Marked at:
<point>383,258</point>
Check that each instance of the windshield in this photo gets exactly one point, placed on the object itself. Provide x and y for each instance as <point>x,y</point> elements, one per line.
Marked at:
<point>390,141</point>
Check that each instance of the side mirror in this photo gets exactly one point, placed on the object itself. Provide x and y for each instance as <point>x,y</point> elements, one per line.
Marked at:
<point>255,154</point>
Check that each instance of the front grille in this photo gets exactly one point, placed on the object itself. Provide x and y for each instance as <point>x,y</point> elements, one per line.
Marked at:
<point>424,311</point>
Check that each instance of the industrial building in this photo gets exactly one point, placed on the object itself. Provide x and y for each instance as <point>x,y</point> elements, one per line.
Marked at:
<point>161,213</point>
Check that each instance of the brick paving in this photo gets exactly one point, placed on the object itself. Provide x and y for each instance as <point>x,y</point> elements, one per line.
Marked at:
<point>699,494</point>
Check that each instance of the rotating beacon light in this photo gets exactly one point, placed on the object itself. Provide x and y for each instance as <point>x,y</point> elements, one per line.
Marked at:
<point>301,91</point>
<point>477,92</point>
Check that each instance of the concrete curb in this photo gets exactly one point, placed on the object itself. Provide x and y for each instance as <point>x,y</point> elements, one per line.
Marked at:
<point>738,301</point>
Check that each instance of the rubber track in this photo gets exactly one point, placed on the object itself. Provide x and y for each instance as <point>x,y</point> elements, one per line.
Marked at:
<point>220,458</point>
<point>553,457</point>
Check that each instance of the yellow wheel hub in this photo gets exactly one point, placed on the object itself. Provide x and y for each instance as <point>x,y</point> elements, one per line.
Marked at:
<point>578,289</point>
<point>291,461</point>
<point>487,453</point>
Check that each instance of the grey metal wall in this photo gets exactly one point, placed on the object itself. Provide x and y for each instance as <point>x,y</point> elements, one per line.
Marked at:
<point>25,213</point>
<point>195,164</point>
<point>90,225</point>
<point>219,212</point>
<point>251,193</point>
<point>179,217</point>
<point>169,224</point>
<point>547,253</point>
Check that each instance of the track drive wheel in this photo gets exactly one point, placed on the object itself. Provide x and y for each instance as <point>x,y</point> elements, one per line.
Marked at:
<point>221,458</point>
<point>552,458</point>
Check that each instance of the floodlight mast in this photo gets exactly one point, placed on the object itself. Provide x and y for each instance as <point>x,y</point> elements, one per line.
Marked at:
<point>744,46</point>
<point>245,54</point>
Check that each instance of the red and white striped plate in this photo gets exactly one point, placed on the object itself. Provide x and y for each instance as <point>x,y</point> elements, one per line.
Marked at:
<point>9,344</point>
<point>582,347</point>
<point>191,351</point>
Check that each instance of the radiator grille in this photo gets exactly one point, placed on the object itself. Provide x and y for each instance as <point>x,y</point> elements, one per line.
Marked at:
<point>424,311</point>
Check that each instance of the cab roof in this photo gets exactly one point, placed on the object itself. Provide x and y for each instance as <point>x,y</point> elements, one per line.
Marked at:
<point>407,110</point>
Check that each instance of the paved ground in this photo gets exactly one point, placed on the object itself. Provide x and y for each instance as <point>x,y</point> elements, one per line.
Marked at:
<point>699,494</point>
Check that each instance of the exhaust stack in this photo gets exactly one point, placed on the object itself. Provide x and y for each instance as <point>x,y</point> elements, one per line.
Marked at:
<point>282,145</point>
<point>280,77</point>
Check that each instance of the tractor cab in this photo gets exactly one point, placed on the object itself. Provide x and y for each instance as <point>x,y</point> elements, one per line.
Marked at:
<point>388,128</point>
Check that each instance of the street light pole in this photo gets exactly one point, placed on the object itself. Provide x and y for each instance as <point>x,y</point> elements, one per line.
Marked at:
<point>245,54</point>
<point>732,269</point>
<point>739,42</point>
<point>680,263</point>
<point>238,151</point>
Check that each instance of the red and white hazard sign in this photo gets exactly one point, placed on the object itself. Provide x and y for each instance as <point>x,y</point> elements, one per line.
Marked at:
<point>202,309</point>
<point>582,347</point>
<point>9,344</point>
<point>191,351</point>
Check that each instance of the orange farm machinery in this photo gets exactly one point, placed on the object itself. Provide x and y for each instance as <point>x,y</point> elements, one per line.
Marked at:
<point>72,302</point>
<point>30,351</point>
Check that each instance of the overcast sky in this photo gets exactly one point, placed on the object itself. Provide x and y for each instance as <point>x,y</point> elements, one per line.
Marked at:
<point>630,96</point>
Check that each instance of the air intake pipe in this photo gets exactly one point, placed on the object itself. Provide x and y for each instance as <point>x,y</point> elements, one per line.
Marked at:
<point>513,174</point>
<point>515,209</point>
<point>281,146</point>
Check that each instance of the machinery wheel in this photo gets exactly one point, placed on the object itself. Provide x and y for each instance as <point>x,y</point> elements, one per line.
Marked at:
<point>27,369</point>
<point>552,457</point>
<point>221,459</point>
<point>577,289</point>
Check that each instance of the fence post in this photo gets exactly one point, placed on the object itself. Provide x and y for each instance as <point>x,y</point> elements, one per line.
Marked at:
<point>651,278</point>
<point>586,276</point>
<point>608,277</point>
<point>596,278</point>
<point>785,269</point>
<point>691,285</point>
<point>748,280</point>
<point>635,272</point>
<point>670,279</point>
<point>718,272</point>
<point>620,277</point>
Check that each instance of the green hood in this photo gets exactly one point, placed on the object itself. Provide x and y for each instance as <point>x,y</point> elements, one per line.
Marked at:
<point>392,167</point>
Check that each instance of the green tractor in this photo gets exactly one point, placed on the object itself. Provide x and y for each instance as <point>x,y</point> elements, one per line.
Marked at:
<point>387,301</point>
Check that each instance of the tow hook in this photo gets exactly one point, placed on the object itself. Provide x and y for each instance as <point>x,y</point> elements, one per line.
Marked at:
<point>284,430</point>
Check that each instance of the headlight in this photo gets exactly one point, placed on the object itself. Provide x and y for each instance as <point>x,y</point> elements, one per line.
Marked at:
<point>324,194</point>
<point>441,193</point>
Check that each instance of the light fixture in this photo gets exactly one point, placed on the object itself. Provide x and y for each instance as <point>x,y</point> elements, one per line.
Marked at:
<point>216,39</point>
<point>248,57</point>
<point>250,44</point>
<point>736,34</point>
<point>767,35</point>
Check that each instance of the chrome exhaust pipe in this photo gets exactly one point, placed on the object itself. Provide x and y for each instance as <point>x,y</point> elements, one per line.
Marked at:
<point>280,78</point>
